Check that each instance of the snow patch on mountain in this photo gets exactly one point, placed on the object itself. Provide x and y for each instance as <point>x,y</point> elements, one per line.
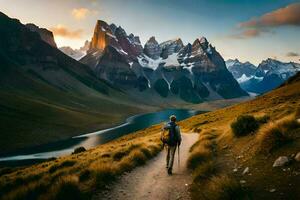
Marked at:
<point>171,60</point>
<point>244,78</point>
<point>148,62</point>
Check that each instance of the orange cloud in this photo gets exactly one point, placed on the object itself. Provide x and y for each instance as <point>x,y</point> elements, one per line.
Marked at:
<point>287,16</point>
<point>63,31</point>
<point>82,13</point>
<point>248,33</point>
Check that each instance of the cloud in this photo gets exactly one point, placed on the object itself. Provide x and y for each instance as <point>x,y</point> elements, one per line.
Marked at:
<point>246,34</point>
<point>82,13</point>
<point>289,15</point>
<point>63,31</point>
<point>286,16</point>
<point>292,54</point>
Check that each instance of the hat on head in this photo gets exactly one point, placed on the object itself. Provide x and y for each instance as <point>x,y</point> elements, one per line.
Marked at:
<point>173,118</point>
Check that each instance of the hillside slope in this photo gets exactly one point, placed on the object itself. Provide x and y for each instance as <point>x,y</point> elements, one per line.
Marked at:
<point>95,168</point>
<point>226,165</point>
<point>46,95</point>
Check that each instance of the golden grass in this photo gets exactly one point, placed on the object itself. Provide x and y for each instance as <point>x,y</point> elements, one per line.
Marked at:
<point>198,157</point>
<point>275,135</point>
<point>81,173</point>
<point>202,150</point>
<point>204,171</point>
<point>225,188</point>
<point>213,174</point>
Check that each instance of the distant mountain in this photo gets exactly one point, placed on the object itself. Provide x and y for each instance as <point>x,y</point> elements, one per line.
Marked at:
<point>169,70</point>
<point>77,54</point>
<point>46,95</point>
<point>240,70</point>
<point>268,75</point>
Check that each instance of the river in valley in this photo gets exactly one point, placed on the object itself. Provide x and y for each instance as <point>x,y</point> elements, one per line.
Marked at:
<point>66,147</point>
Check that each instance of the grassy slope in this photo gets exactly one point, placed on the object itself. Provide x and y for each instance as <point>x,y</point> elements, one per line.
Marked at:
<point>77,176</point>
<point>217,152</point>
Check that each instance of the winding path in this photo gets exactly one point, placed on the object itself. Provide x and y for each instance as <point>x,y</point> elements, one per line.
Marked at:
<point>151,181</point>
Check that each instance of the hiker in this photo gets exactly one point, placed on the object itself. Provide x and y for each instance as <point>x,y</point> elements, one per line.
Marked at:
<point>171,137</point>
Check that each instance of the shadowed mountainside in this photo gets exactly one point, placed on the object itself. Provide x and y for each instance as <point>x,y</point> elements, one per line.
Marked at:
<point>46,95</point>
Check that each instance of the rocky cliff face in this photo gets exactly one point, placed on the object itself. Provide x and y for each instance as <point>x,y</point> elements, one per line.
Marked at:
<point>103,36</point>
<point>45,34</point>
<point>193,72</point>
<point>130,44</point>
<point>171,46</point>
<point>152,49</point>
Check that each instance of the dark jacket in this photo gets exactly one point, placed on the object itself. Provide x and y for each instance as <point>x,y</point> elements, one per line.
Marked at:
<point>174,130</point>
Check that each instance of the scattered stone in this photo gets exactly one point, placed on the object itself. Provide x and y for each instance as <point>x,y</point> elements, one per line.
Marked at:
<point>246,171</point>
<point>186,184</point>
<point>235,170</point>
<point>281,161</point>
<point>297,157</point>
<point>273,190</point>
<point>239,157</point>
<point>242,181</point>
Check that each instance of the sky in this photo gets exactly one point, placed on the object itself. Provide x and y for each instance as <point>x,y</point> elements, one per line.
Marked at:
<point>250,30</point>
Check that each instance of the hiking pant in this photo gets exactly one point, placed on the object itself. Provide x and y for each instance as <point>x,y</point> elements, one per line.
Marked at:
<point>170,156</point>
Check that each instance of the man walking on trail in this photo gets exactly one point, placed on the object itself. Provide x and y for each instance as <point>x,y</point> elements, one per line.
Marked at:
<point>172,140</point>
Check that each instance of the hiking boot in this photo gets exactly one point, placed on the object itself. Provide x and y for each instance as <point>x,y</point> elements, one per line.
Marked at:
<point>170,171</point>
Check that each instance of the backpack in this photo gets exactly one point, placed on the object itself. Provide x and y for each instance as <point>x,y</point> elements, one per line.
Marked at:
<point>169,136</point>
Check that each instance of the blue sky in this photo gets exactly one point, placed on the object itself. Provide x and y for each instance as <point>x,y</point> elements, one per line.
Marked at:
<point>166,19</point>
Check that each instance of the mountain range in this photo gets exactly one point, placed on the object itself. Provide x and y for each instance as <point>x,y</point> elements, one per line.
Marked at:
<point>77,54</point>
<point>165,71</point>
<point>45,95</point>
<point>268,75</point>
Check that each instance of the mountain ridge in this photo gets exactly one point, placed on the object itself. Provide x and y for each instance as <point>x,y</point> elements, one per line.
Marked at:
<point>160,67</point>
<point>269,74</point>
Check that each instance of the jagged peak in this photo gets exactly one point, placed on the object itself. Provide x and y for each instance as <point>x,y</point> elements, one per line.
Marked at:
<point>202,41</point>
<point>175,40</point>
<point>101,22</point>
<point>120,31</point>
<point>152,40</point>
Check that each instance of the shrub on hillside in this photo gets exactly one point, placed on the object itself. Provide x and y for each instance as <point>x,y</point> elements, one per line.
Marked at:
<point>244,125</point>
<point>277,134</point>
<point>67,188</point>
<point>263,119</point>
<point>79,150</point>
<point>204,171</point>
<point>224,187</point>
<point>270,138</point>
<point>198,156</point>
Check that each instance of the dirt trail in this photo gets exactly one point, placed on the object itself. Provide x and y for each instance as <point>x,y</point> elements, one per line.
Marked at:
<point>151,181</point>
